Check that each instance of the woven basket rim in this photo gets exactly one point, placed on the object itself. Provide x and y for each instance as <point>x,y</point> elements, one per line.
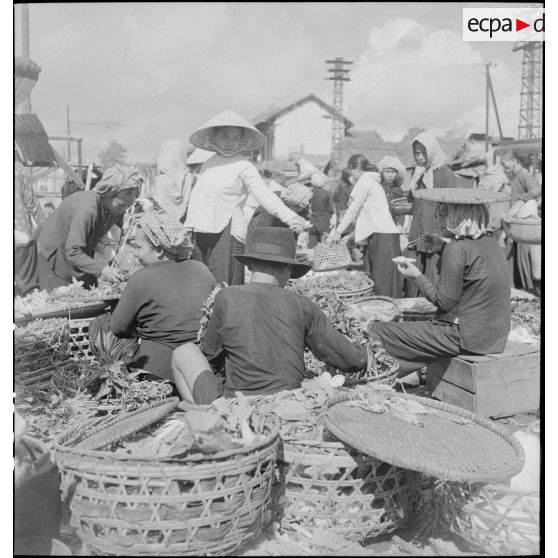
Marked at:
<point>62,313</point>
<point>271,419</point>
<point>428,469</point>
<point>529,221</point>
<point>460,195</point>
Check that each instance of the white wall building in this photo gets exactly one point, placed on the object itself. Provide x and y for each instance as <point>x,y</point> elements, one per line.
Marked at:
<point>301,127</point>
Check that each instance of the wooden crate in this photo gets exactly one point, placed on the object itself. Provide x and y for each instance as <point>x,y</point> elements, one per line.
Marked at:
<point>494,385</point>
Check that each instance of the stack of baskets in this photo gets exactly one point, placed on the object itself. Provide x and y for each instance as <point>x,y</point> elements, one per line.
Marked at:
<point>329,485</point>
<point>198,505</point>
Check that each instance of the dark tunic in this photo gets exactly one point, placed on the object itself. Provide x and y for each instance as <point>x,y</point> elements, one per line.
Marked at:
<point>69,236</point>
<point>424,220</point>
<point>258,332</point>
<point>523,185</point>
<point>474,288</point>
<point>161,305</point>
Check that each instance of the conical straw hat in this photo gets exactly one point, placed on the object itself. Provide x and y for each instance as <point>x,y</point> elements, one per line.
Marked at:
<point>202,137</point>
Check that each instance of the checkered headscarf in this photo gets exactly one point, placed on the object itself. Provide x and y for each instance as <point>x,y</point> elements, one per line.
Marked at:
<point>167,233</point>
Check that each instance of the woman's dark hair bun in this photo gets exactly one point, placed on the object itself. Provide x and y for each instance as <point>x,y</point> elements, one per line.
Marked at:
<point>359,161</point>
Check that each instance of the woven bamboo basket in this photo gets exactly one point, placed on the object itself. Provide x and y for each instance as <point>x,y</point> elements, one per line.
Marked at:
<point>329,485</point>
<point>200,505</point>
<point>527,231</point>
<point>79,345</point>
<point>401,206</point>
<point>356,295</point>
<point>491,518</point>
<point>378,298</point>
<point>329,257</point>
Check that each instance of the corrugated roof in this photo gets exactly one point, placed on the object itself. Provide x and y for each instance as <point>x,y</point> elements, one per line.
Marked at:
<point>32,141</point>
<point>272,113</point>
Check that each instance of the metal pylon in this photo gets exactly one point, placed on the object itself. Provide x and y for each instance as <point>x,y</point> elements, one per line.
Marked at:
<point>530,112</point>
<point>340,74</point>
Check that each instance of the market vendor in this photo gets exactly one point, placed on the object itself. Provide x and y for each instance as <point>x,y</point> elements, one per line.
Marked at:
<point>430,172</point>
<point>227,191</point>
<point>258,332</point>
<point>472,294</point>
<point>374,227</point>
<point>69,236</point>
<point>160,308</point>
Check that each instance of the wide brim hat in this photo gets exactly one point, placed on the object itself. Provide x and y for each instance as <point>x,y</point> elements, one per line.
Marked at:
<point>253,139</point>
<point>273,244</point>
<point>460,195</point>
<point>199,156</point>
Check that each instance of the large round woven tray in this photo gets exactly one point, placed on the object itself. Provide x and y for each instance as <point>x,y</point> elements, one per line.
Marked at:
<point>491,518</point>
<point>329,485</point>
<point>478,451</point>
<point>460,195</point>
<point>200,505</point>
<point>408,313</point>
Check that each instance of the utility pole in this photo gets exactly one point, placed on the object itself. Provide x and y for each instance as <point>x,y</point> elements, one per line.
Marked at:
<point>530,111</point>
<point>340,74</point>
<point>494,100</point>
<point>25,48</point>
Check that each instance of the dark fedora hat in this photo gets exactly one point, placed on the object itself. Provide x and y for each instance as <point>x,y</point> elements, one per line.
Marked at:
<point>273,244</point>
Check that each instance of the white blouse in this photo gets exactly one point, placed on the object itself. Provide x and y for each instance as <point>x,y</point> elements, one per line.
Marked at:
<point>368,205</point>
<point>231,188</point>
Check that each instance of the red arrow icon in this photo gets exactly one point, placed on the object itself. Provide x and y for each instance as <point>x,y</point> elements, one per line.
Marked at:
<point>519,25</point>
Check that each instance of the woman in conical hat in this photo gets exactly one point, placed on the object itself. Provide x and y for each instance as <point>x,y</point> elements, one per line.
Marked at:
<point>431,171</point>
<point>227,191</point>
<point>472,295</point>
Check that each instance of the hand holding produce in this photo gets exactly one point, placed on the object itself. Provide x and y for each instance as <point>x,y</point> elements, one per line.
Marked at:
<point>298,224</point>
<point>408,270</point>
<point>111,274</point>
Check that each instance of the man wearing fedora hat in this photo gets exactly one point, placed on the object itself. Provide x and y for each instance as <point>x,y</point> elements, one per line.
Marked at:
<point>258,332</point>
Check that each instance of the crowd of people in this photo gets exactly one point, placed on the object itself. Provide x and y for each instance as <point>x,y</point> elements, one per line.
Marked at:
<point>214,219</point>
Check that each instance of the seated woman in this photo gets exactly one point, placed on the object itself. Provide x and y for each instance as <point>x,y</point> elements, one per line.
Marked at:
<point>160,308</point>
<point>70,235</point>
<point>472,294</point>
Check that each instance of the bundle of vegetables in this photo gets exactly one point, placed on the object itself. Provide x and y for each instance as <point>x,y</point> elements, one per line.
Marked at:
<point>50,406</point>
<point>53,332</point>
<point>340,280</point>
<point>300,409</point>
<point>526,320</point>
<point>117,389</point>
<point>61,298</point>
<point>222,426</point>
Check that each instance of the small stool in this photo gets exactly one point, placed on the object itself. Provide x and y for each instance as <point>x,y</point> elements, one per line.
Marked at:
<point>494,385</point>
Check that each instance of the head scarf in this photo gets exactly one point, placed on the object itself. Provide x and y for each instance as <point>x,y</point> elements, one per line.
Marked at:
<point>395,164</point>
<point>467,220</point>
<point>167,233</point>
<point>118,178</point>
<point>435,158</point>
<point>172,186</point>
<point>494,179</point>
<point>297,194</point>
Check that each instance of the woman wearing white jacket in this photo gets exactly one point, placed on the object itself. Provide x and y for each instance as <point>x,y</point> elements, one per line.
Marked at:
<point>374,227</point>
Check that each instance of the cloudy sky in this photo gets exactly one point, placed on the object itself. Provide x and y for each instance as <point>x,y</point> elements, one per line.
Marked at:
<point>162,69</point>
